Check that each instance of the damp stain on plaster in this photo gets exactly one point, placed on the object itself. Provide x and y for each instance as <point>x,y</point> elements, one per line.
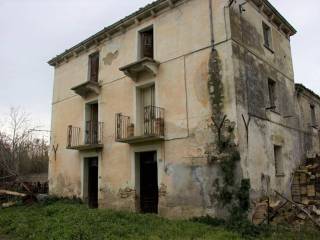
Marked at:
<point>200,83</point>
<point>110,57</point>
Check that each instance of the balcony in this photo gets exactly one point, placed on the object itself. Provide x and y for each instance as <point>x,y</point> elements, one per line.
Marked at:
<point>92,140</point>
<point>144,65</point>
<point>88,88</point>
<point>152,127</point>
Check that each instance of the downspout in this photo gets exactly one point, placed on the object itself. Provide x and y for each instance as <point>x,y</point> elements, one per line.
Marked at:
<point>211,24</point>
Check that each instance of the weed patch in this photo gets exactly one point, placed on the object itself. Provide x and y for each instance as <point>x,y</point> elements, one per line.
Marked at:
<point>71,220</point>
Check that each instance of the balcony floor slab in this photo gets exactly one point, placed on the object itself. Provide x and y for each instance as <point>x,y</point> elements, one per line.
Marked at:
<point>141,139</point>
<point>87,147</point>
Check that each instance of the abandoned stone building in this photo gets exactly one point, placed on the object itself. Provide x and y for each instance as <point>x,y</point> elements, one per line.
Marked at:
<point>135,107</point>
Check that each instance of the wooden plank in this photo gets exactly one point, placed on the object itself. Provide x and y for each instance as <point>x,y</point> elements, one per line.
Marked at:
<point>260,213</point>
<point>311,191</point>
<point>303,190</point>
<point>5,192</point>
<point>301,209</point>
<point>303,178</point>
<point>26,187</point>
<point>8,204</point>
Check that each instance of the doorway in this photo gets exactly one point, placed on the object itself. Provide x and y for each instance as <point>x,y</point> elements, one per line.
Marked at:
<point>93,177</point>
<point>149,192</point>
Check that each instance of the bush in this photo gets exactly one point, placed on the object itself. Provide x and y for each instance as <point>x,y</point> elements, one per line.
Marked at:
<point>215,222</point>
<point>237,222</point>
<point>54,199</point>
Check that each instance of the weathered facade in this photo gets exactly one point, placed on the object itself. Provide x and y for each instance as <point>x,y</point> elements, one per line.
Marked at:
<point>133,111</point>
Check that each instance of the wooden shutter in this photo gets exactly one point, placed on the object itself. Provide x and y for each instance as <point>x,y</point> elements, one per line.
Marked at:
<point>147,95</point>
<point>94,67</point>
<point>147,44</point>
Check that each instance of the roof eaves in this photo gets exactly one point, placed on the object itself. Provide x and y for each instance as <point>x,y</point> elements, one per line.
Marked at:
<point>292,29</point>
<point>106,30</point>
<point>300,86</point>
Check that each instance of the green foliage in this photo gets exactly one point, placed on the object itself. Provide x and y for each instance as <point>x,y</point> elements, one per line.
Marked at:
<point>215,85</point>
<point>63,220</point>
<point>214,222</point>
<point>228,193</point>
<point>228,166</point>
<point>243,195</point>
<point>224,194</point>
<point>237,224</point>
<point>55,199</point>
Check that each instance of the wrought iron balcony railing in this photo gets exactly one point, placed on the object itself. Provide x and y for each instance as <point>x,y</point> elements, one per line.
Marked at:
<point>152,126</point>
<point>92,138</point>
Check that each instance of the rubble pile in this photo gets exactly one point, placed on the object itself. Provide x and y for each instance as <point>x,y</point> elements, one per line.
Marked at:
<point>303,209</point>
<point>305,187</point>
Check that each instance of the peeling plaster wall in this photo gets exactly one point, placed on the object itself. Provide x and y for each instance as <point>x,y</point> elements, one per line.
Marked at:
<point>182,46</point>
<point>254,64</point>
<point>310,140</point>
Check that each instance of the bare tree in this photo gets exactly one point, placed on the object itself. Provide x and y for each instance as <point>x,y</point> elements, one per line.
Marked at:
<point>19,133</point>
<point>6,165</point>
<point>18,146</point>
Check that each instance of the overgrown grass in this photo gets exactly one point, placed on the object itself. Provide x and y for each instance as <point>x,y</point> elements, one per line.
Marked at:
<point>74,221</point>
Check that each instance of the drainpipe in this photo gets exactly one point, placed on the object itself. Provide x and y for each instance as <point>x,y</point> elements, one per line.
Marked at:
<point>211,24</point>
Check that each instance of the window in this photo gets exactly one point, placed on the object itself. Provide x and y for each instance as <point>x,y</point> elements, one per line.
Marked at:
<point>313,116</point>
<point>272,94</point>
<point>146,43</point>
<point>94,67</point>
<point>278,160</point>
<point>267,36</point>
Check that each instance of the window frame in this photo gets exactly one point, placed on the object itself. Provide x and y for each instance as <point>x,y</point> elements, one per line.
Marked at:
<point>272,94</point>
<point>278,160</point>
<point>313,116</point>
<point>267,36</point>
<point>140,42</point>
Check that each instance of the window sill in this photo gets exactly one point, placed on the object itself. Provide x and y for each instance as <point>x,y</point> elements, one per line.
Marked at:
<point>274,110</point>
<point>269,48</point>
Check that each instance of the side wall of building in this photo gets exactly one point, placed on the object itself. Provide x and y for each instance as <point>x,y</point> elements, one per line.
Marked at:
<point>263,129</point>
<point>306,100</point>
<point>267,127</point>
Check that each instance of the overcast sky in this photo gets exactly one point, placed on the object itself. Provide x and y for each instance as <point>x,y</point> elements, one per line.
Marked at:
<point>33,31</point>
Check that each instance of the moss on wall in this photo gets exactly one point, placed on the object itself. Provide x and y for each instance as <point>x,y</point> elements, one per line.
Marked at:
<point>230,192</point>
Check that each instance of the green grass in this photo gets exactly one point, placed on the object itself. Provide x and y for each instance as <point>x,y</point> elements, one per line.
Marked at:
<point>73,221</point>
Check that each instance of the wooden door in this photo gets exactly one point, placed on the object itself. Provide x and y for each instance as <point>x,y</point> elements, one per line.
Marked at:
<point>94,67</point>
<point>149,192</point>
<point>93,124</point>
